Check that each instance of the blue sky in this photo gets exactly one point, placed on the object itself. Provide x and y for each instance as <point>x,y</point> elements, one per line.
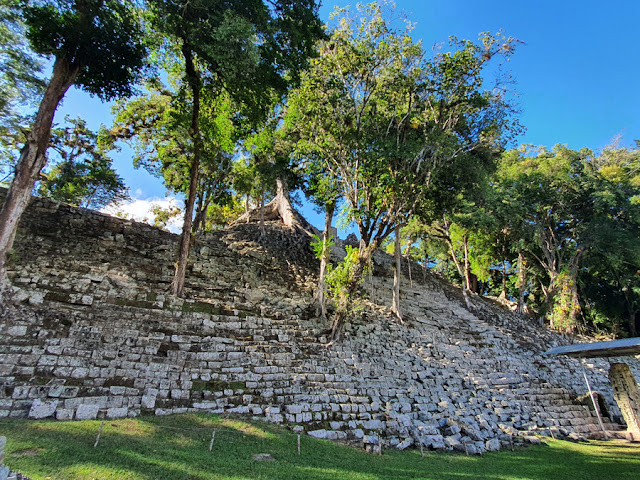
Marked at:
<point>577,73</point>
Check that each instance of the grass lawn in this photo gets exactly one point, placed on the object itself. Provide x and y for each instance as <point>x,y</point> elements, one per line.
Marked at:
<point>177,447</point>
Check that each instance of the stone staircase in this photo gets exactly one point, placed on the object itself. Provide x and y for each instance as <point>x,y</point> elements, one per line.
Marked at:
<point>96,336</point>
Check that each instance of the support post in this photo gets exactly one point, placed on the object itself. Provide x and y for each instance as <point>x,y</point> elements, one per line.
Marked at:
<point>593,400</point>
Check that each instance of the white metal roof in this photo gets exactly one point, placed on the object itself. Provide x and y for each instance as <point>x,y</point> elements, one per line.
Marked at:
<point>612,348</point>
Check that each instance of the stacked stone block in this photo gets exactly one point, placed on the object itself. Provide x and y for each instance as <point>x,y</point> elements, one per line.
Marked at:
<point>96,336</point>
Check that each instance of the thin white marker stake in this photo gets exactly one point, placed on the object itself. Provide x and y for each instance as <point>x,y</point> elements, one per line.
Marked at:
<point>99,433</point>
<point>213,437</point>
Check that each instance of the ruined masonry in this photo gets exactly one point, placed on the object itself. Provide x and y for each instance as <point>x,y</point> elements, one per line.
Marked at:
<point>95,335</point>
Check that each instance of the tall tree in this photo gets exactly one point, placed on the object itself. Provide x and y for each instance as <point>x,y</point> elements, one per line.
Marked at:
<point>249,48</point>
<point>555,194</point>
<point>392,126</point>
<point>81,174</point>
<point>323,190</point>
<point>96,44</point>
<point>610,277</point>
<point>157,126</point>
<point>20,82</point>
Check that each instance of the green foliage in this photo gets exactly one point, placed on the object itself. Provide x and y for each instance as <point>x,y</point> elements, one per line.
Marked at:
<point>223,212</point>
<point>157,126</point>
<point>340,279</point>
<point>321,248</point>
<point>396,133</point>
<point>268,156</point>
<point>101,38</point>
<point>81,173</point>
<point>162,216</point>
<point>20,82</point>
<point>252,48</point>
<point>565,308</point>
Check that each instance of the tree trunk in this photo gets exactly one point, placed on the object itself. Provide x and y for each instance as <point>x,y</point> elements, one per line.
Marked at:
<point>32,159</point>
<point>563,301</point>
<point>177,287</point>
<point>463,276</point>
<point>262,212</point>
<point>355,277</point>
<point>632,323</point>
<point>522,276</point>
<point>395,304</point>
<point>469,278</point>
<point>279,208</point>
<point>324,260</point>
<point>503,293</point>
<point>283,204</point>
<point>198,209</point>
<point>204,200</point>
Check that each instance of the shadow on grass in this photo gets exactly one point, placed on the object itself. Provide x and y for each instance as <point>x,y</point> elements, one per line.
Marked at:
<point>177,447</point>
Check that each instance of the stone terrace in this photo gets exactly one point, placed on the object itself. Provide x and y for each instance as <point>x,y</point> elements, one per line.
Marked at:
<point>96,336</point>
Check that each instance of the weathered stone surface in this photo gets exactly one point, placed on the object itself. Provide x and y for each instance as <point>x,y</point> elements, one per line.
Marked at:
<point>87,412</point>
<point>322,433</point>
<point>120,412</point>
<point>627,395</point>
<point>42,408</point>
<point>406,443</point>
<point>4,471</point>
<point>492,445</point>
<point>102,337</point>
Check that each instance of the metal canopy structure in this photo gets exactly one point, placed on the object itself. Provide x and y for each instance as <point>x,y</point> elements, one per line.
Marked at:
<point>612,348</point>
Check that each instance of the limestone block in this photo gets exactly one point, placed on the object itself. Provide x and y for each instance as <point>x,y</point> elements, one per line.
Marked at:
<point>492,445</point>
<point>69,392</point>
<point>42,408</point>
<point>454,443</point>
<point>275,418</point>
<point>17,331</point>
<point>373,425</point>
<point>531,439</point>
<point>406,443</point>
<point>117,390</point>
<point>79,372</point>
<point>294,409</point>
<point>64,414</point>
<point>471,449</point>
<point>204,405</point>
<point>433,441</point>
<point>319,433</point>
<point>87,412</point>
<point>371,440</point>
<point>119,412</point>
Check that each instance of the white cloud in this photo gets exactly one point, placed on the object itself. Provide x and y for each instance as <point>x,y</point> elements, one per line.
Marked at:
<point>140,209</point>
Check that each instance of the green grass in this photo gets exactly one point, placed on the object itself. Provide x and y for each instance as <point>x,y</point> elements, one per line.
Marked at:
<point>177,447</point>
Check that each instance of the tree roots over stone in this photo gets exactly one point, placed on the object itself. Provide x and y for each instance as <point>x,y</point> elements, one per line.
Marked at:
<point>279,208</point>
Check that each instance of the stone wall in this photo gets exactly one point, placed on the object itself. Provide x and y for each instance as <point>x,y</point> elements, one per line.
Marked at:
<point>94,335</point>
